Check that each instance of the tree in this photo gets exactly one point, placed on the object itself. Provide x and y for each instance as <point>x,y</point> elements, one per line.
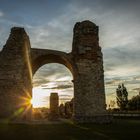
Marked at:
<point>134,103</point>
<point>122,96</point>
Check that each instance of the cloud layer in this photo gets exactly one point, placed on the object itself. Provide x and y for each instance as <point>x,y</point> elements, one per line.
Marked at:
<point>50,23</point>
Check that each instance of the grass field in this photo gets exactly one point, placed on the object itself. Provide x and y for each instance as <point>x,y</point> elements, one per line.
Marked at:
<point>118,130</point>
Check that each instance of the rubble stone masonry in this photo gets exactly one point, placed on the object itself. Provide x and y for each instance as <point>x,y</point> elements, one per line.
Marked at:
<point>19,62</point>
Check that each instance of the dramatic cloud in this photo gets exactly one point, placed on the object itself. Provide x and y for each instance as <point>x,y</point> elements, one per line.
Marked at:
<point>52,73</point>
<point>50,24</point>
<point>59,87</point>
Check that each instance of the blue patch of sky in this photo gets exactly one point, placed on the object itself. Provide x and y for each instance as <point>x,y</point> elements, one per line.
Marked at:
<point>33,12</point>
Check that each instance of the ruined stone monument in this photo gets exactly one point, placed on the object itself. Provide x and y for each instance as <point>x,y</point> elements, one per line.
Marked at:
<point>54,104</point>
<point>69,109</point>
<point>62,110</point>
<point>19,62</point>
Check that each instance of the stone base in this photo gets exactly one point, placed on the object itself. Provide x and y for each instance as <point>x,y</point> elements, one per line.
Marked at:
<point>99,119</point>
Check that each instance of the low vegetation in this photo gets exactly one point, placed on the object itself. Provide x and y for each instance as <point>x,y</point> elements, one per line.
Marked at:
<point>123,102</point>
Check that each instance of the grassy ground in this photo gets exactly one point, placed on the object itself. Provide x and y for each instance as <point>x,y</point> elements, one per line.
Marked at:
<point>119,130</point>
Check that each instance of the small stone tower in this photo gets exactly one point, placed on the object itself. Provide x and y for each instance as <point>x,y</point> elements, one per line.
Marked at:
<point>54,104</point>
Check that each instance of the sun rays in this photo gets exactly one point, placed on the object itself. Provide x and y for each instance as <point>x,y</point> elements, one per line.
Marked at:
<point>24,108</point>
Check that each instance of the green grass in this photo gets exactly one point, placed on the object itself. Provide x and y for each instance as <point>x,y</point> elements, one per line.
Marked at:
<point>118,130</point>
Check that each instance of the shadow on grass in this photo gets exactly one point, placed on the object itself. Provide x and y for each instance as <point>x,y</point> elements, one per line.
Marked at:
<point>119,130</point>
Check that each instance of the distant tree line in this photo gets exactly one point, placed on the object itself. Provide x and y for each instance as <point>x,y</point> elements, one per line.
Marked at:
<point>134,103</point>
<point>122,99</point>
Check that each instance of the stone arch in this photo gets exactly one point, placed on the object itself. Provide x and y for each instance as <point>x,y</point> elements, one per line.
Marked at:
<point>49,56</point>
<point>19,62</point>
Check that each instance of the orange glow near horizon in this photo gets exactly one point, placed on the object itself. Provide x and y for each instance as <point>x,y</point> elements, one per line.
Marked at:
<point>31,101</point>
<point>24,106</point>
<point>40,97</point>
<point>57,82</point>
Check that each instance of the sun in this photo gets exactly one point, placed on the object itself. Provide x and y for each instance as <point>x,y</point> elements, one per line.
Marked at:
<point>31,101</point>
<point>40,98</point>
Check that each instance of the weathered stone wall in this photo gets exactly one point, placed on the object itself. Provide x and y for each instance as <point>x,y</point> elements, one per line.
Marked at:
<point>15,74</point>
<point>40,57</point>
<point>18,62</point>
<point>89,94</point>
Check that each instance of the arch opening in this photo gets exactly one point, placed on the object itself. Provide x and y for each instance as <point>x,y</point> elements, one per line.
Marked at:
<point>51,78</point>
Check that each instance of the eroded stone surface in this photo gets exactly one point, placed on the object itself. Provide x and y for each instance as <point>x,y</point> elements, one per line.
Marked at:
<point>54,104</point>
<point>18,62</point>
<point>15,75</point>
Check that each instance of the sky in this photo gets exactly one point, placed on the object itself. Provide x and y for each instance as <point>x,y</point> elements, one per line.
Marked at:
<point>49,24</point>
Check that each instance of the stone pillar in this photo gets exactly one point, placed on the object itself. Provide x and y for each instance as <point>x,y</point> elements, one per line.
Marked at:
<point>89,93</point>
<point>15,76</point>
<point>54,106</point>
<point>62,110</point>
